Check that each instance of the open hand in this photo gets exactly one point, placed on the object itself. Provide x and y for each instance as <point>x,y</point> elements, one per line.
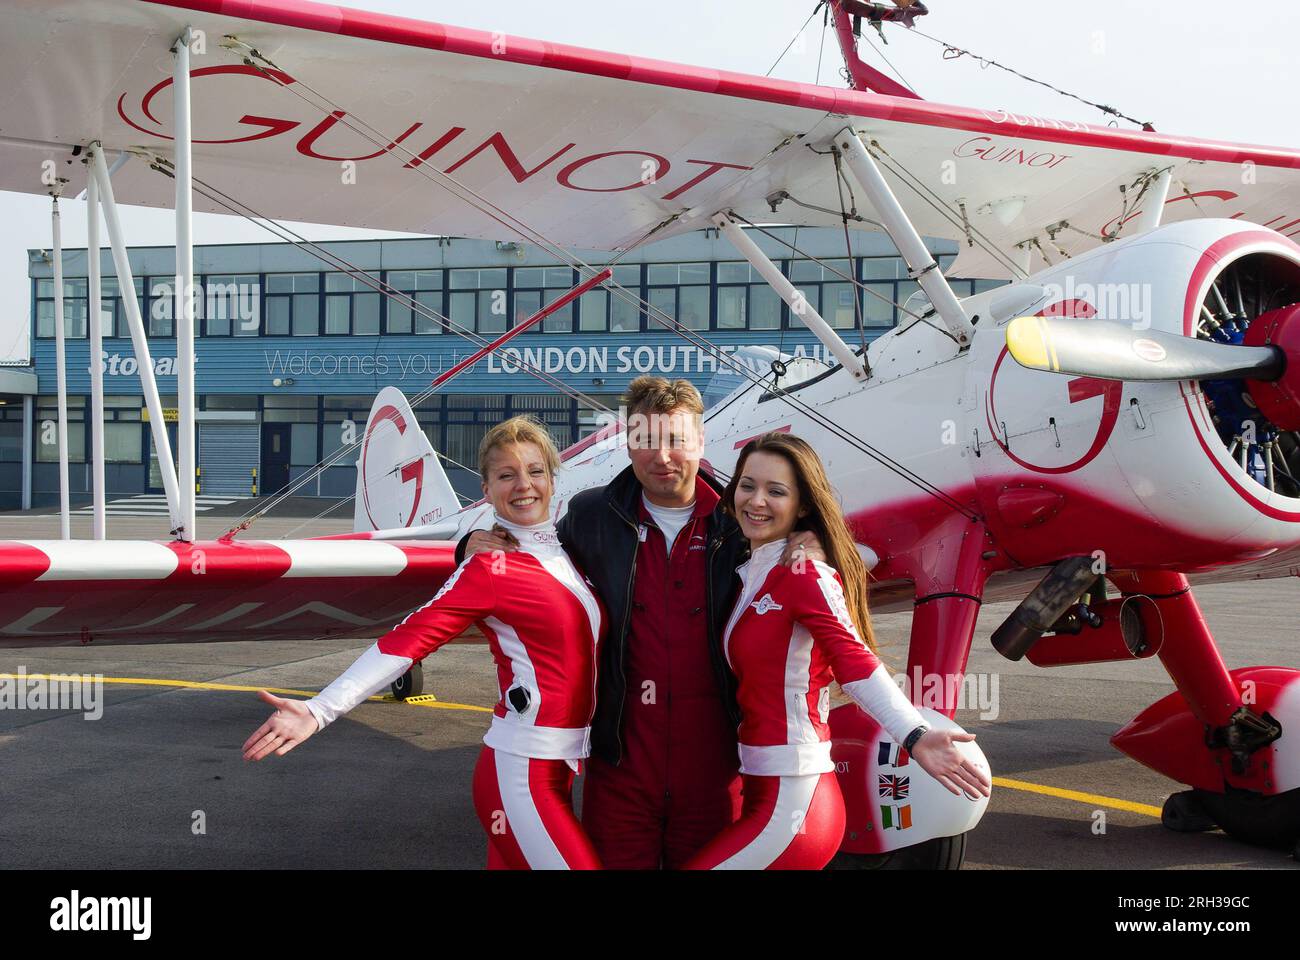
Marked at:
<point>940,758</point>
<point>490,541</point>
<point>290,725</point>
<point>802,547</point>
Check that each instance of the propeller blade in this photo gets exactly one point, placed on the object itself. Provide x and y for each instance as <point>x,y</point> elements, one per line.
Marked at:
<point>1115,351</point>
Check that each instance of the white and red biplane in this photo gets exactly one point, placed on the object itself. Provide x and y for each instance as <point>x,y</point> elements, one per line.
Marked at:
<point>1125,410</point>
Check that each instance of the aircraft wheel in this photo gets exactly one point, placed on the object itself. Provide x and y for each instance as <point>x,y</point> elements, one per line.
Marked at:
<point>409,684</point>
<point>1183,813</point>
<point>940,853</point>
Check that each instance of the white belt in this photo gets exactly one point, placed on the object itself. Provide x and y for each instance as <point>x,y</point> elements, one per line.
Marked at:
<point>786,759</point>
<point>509,735</point>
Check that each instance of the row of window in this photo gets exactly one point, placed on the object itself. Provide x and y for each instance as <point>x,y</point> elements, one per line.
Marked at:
<point>701,296</point>
<point>319,426</point>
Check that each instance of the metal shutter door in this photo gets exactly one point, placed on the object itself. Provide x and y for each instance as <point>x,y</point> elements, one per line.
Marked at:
<point>228,454</point>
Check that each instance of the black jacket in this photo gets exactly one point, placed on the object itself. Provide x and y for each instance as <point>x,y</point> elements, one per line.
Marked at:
<point>599,532</point>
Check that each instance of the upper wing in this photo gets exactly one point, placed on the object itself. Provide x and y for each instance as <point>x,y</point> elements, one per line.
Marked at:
<point>362,115</point>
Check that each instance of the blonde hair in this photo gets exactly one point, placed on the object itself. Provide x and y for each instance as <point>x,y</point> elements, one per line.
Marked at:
<point>650,394</point>
<point>516,430</point>
<point>824,518</point>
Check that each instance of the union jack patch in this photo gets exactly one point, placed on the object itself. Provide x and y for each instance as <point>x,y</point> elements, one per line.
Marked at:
<point>893,787</point>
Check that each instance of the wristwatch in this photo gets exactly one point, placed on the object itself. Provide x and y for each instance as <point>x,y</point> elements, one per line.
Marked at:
<point>914,736</point>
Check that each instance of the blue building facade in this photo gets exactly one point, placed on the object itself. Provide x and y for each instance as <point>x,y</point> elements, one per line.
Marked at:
<point>290,351</point>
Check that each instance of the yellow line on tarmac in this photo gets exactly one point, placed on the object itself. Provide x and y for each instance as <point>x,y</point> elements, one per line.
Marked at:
<point>1093,798</point>
<point>198,685</point>
<point>1004,782</point>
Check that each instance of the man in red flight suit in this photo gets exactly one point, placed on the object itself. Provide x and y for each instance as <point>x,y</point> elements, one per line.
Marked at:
<point>663,776</point>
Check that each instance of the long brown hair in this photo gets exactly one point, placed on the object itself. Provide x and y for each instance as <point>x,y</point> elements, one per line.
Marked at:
<point>824,518</point>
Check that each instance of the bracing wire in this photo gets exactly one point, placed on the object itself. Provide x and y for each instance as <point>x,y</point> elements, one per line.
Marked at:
<point>469,196</point>
<point>952,52</point>
<point>286,234</point>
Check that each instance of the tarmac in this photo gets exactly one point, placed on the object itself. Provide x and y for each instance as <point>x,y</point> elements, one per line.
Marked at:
<point>157,780</point>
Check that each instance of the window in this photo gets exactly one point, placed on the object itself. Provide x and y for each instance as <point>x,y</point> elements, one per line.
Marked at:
<point>425,288</point>
<point>123,431</point>
<point>878,304</point>
<point>593,310</point>
<point>162,306</point>
<point>123,442</point>
<point>288,408</point>
<point>112,310</point>
<point>292,304</point>
<point>833,299</point>
<point>345,423</point>
<point>883,268</point>
<point>232,304</point>
<point>217,401</point>
<point>11,433</point>
<point>527,303</point>
<point>352,304</point>
<point>591,420</point>
<point>745,301</point>
<point>553,410</point>
<point>468,419</point>
<point>837,306</point>
<point>624,308</point>
<point>302,445</point>
<point>484,309</point>
<point>688,301</point>
<point>75,308</point>
<point>732,302</point>
<point>47,429</point>
<point>535,286</point>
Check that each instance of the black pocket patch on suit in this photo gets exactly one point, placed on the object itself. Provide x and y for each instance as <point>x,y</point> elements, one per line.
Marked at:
<point>519,698</point>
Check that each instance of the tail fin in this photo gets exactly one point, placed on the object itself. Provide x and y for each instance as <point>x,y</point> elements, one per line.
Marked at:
<point>400,482</point>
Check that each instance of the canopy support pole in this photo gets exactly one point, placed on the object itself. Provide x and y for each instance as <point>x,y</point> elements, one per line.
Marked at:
<point>139,341</point>
<point>184,287</point>
<point>861,75</point>
<point>99,529</point>
<point>798,304</point>
<point>65,511</point>
<point>921,264</point>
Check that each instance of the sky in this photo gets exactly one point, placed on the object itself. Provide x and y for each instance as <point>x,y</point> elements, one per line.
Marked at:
<point>1198,67</point>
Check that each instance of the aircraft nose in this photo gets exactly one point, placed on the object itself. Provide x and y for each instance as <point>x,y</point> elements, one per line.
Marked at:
<point>1278,399</point>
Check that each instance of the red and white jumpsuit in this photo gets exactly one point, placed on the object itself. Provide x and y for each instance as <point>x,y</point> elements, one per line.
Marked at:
<point>543,624</point>
<point>789,633</point>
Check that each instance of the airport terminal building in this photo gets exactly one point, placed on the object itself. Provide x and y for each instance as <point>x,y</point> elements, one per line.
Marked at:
<point>291,351</point>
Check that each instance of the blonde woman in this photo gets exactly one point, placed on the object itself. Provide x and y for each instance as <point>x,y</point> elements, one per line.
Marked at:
<point>543,624</point>
<point>793,629</point>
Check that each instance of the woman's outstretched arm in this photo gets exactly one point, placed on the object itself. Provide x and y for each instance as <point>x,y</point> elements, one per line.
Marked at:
<point>821,607</point>
<point>466,597</point>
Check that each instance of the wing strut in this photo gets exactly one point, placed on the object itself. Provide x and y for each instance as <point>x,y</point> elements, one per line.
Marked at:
<point>920,264</point>
<point>798,304</point>
<point>99,525</point>
<point>65,522</point>
<point>1155,208</point>
<point>139,337</point>
<point>184,286</point>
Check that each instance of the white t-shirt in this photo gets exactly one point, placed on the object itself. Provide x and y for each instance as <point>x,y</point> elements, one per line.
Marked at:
<point>670,519</point>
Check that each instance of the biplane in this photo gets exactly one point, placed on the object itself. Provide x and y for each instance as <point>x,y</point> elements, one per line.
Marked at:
<point>1113,426</point>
